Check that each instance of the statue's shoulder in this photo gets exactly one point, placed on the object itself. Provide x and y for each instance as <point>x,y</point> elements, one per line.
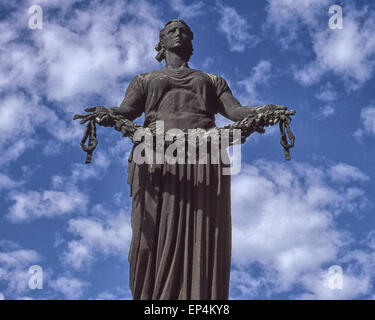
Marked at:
<point>217,80</point>
<point>214,77</point>
<point>149,75</point>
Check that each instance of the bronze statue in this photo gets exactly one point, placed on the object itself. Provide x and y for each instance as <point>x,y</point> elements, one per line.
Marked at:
<point>181,213</point>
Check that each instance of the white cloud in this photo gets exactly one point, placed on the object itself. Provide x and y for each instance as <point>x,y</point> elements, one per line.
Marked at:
<point>243,284</point>
<point>368,123</point>
<point>236,29</point>
<point>13,114</point>
<point>120,151</point>
<point>116,293</point>
<point>18,61</point>
<point>90,52</point>
<point>48,203</point>
<point>63,198</point>
<point>317,286</point>
<point>16,126</point>
<point>14,266</point>
<point>83,172</point>
<point>284,222</point>
<point>347,53</point>
<point>370,239</point>
<point>71,288</point>
<point>56,4</point>
<point>345,173</point>
<point>327,93</point>
<point>14,275</point>
<point>98,238</point>
<point>187,11</point>
<point>260,75</point>
<point>325,112</point>
<point>207,63</point>
<point>8,183</point>
<point>20,116</point>
<point>286,17</point>
<point>79,53</point>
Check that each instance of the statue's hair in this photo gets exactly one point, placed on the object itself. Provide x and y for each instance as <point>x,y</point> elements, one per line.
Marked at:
<point>160,46</point>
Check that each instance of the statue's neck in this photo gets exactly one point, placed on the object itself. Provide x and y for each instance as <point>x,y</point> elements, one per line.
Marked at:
<point>174,60</point>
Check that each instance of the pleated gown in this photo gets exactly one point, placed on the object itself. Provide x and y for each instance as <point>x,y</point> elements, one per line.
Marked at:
<point>181,213</point>
<point>181,224</point>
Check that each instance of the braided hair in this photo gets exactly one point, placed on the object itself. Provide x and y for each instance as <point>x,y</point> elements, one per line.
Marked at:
<point>160,46</point>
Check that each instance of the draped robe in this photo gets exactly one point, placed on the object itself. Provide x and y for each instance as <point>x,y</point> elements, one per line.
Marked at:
<point>181,213</point>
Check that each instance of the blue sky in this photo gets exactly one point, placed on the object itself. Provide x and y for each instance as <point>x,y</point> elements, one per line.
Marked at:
<point>292,220</point>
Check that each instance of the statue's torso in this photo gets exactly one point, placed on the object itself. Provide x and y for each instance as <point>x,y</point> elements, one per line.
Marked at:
<point>183,99</point>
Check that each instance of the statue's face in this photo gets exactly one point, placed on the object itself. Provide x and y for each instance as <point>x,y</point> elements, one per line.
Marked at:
<point>176,35</point>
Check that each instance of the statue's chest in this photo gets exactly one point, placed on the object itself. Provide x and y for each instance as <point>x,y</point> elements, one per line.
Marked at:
<point>192,85</point>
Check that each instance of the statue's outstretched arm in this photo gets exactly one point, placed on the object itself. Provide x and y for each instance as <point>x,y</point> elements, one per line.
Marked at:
<point>255,119</point>
<point>231,108</point>
<point>131,107</point>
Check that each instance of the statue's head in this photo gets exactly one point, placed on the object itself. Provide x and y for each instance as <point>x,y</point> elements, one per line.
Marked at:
<point>176,35</point>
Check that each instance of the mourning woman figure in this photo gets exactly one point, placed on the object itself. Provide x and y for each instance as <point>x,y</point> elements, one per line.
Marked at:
<point>181,213</point>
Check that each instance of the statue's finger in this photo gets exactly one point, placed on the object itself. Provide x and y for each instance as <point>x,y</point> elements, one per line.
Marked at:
<point>276,107</point>
<point>87,118</point>
<point>79,116</point>
<point>90,109</point>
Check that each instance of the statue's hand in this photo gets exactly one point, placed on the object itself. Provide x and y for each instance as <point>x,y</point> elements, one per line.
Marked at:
<point>270,107</point>
<point>282,110</point>
<point>101,115</point>
<point>272,114</point>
